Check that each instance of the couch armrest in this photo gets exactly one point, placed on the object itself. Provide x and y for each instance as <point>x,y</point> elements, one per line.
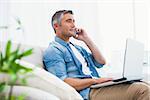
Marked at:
<point>46,81</point>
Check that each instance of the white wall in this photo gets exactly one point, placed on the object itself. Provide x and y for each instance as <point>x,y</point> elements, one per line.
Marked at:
<point>108,22</point>
<point>36,17</point>
<point>118,20</point>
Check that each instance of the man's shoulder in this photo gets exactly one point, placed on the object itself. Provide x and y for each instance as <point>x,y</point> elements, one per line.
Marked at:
<point>55,47</point>
<point>53,50</point>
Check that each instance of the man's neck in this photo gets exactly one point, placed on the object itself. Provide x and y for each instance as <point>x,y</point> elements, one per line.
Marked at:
<point>66,39</point>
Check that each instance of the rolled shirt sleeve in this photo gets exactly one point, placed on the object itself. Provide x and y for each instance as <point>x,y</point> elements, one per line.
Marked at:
<point>54,63</point>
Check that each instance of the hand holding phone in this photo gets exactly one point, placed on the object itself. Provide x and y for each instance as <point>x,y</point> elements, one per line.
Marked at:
<point>80,34</point>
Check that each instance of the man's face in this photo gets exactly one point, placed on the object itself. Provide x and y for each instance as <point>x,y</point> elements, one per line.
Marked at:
<point>67,26</point>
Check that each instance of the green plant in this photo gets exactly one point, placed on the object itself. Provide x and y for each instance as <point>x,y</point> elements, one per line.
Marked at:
<point>9,65</point>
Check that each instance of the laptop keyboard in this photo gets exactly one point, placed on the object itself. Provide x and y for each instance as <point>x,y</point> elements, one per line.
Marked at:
<point>120,79</point>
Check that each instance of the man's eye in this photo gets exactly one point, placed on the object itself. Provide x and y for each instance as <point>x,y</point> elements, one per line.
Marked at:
<point>69,21</point>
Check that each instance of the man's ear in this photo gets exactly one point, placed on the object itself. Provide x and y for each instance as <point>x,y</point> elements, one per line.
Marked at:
<point>56,25</point>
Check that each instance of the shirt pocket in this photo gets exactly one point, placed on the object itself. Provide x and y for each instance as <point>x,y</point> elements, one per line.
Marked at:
<point>70,65</point>
<point>69,61</point>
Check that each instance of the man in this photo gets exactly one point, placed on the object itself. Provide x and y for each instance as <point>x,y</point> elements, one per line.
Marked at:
<point>75,66</point>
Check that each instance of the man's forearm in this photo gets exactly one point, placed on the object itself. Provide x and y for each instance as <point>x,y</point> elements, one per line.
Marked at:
<point>79,84</point>
<point>95,51</point>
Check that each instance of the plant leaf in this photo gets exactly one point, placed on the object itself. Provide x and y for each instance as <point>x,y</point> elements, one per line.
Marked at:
<point>13,77</point>
<point>5,67</point>
<point>26,53</point>
<point>2,86</point>
<point>8,48</point>
<point>16,51</point>
<point>21,97</point>
<point>23,81</point>
<point>24,69</point>
<point>1,60</point>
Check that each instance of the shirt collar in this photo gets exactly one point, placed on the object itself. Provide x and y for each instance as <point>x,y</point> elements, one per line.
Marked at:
<point>62,42</point>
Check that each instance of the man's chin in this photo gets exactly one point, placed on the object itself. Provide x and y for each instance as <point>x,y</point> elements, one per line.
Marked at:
<point>72,34</point>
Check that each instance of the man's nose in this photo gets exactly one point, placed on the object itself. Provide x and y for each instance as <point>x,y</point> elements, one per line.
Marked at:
<point>73,25</point>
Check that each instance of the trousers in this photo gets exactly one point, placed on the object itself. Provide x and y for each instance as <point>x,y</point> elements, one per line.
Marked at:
<point>134,91</point>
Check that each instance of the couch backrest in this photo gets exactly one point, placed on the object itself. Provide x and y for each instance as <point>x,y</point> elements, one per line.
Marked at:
<point>35,58</point>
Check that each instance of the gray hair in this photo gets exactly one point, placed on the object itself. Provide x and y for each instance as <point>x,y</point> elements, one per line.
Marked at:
<point>56,18</point>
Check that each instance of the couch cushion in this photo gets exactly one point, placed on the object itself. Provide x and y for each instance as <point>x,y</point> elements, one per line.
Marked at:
<point>48,82</point>
<point>29,92</point>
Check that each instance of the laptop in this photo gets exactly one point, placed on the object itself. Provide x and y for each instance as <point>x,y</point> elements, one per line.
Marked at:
<point>132,67</point>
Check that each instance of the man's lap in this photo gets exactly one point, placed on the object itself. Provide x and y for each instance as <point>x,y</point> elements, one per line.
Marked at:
<point>121,92</point>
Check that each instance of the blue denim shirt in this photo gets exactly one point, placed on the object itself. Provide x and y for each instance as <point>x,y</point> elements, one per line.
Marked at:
<point>61,61</point>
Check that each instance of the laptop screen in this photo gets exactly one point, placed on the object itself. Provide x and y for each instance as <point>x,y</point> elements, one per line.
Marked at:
<point>133,59</point>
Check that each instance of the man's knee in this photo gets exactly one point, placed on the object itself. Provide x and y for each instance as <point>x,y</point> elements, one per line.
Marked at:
<point>141,90</point>
<point>142,87</point>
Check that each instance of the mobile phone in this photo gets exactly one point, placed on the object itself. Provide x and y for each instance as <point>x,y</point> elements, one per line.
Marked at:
<point>76,33</point>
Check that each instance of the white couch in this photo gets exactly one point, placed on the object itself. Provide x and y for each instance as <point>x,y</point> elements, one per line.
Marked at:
<point>45,81</point>
<point>41,79</point>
